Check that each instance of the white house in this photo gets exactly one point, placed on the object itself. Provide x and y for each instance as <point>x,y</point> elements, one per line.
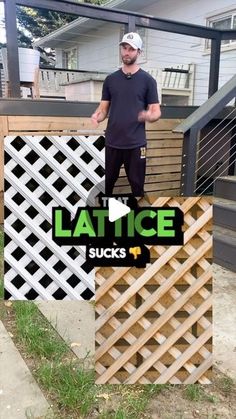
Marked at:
<point>92,45</point>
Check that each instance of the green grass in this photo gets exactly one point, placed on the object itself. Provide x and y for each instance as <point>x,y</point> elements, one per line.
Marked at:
<point>35,332</point>
<point>70,388</point>
<point>119,414</point>
<point>133,400</point>
<point>195,392</point>
<point>68,382</point>
<point>75,390</point>
<point>137,402</point>
<point>227,385</point>
<point>64,379</point>
<point>72,385</point>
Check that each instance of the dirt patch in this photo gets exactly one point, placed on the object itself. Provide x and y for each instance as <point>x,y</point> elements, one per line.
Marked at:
<point>224,320</point>
<point>215,401</point>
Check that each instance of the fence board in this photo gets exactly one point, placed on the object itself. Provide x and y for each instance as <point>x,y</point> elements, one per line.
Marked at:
<point>164,143</point>
<point>168,187</point>
<point>164,149</point>
<point>163,125</point>
<point>152,178</point>
<point>162,161</point>
<point>48,123</point>
<point>160,135</point>
<point>154,324</point>
<point>3,125</point>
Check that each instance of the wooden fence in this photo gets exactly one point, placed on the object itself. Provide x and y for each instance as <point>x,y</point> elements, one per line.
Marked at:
<point>154,324</point>
<point>163,156</point>
<point>164,153</point>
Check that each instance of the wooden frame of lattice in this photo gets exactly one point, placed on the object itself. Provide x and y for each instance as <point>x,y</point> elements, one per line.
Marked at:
<point>154,325</point>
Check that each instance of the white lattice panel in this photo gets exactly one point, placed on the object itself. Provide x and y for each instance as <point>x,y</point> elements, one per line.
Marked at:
<point>41,173</point>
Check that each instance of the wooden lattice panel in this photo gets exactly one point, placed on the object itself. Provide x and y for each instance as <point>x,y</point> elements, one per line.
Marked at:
<point>154,325</point>
<point>42,173</point>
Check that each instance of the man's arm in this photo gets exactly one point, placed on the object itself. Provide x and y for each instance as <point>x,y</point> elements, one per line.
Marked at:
<point>101,112</point>
<point>152,114</point>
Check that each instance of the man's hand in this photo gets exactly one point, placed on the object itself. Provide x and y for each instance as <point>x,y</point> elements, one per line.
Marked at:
<point>101,113</point>
<point>95,118</point>
<point>151,115</point>
<point>144,116</point>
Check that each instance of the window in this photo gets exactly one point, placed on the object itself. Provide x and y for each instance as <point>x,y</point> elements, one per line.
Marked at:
<point>69,59</point>
<point>223,22</point>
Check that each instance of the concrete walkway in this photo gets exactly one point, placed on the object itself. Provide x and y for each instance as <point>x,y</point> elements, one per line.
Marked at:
<point>224,320</point>
<point>75,323</point>
<point>20,396</point>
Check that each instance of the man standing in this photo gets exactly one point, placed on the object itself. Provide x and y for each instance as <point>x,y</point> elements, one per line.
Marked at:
<point>130,97</point>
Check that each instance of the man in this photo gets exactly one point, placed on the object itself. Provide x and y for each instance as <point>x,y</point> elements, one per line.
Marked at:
<point>130,97</point>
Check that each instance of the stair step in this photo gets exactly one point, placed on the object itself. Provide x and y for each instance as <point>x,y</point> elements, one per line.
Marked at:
<point>225,247</point>
<point>225,187</point>
<point>224,211</point>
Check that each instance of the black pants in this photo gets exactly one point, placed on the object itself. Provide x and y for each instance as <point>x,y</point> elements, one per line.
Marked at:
<point>134,161</point>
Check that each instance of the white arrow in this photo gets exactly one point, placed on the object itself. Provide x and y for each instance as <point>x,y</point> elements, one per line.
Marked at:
<point>117,209</point>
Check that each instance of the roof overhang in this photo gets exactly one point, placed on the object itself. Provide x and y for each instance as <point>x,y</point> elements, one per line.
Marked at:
<point>71,31</point>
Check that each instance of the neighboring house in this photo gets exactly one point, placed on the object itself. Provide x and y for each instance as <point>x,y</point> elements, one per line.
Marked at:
<point>92,45</point>
<point>2,79</point>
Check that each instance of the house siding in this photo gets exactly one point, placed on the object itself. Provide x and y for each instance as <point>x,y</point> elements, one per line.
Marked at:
<point>58,53</point>
<point>98,51</point>
<point>166,49</point>
<point>98,48</point>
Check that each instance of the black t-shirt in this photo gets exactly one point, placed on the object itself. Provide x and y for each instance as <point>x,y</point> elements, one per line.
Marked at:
<point>127,98</point>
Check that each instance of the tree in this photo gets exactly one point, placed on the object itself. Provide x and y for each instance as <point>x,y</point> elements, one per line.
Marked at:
<point>35,23</point>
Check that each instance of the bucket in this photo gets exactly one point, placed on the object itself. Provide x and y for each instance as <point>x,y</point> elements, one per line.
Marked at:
<point>28,63</point>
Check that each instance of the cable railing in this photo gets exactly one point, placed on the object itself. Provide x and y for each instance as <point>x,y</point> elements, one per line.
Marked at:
<point>223,173</point>
<point>209,155</point>
<point>209,176</point>
<point>217,133</point>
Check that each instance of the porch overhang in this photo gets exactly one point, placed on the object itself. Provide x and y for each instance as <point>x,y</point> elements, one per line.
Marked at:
<point>82,25</point>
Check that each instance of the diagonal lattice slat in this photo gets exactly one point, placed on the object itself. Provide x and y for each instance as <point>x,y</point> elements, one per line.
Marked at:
<point>42,172</point>
<point>154,324</point>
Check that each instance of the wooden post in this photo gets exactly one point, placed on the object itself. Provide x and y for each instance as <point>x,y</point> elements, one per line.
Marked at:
<point>12,49</point>
<point>214,66</point>
<point>3,132</point>
<point>188,173</point>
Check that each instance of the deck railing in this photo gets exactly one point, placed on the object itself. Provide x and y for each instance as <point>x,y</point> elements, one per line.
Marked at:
<point>176,80</point>
<point>211,153</point>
